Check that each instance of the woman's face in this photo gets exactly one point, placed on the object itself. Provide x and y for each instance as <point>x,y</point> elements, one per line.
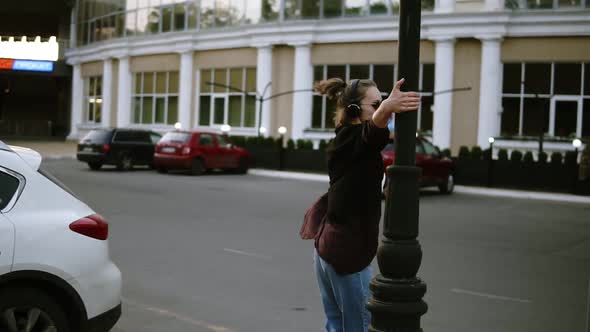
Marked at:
<point>370,103</point>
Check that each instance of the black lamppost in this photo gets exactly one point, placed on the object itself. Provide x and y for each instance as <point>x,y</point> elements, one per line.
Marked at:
<point>260,98</point>
<point>397,303</point>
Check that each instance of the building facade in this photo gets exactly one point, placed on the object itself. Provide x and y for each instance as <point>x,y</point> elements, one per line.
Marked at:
<point>512,70</point>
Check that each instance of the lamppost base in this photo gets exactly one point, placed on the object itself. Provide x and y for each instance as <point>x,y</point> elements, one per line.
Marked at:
<point>397,305</point>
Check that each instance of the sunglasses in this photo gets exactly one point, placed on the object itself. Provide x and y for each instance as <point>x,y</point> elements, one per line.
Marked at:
<point>375,105</point>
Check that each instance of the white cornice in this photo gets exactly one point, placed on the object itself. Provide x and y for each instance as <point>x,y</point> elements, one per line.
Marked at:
<point>499,24</point>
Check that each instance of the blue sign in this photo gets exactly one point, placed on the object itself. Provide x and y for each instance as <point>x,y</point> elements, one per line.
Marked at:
<point>31,65</point>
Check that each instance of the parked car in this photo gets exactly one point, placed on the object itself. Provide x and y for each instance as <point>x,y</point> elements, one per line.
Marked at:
<point>437,171</point>
<point>199,151</point>
<point>123,148</point>
<point>55,270</point>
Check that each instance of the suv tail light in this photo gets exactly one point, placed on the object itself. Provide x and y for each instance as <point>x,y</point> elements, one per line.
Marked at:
<point>106,148</point>
<point>186,150</point>
<point>93,226</point>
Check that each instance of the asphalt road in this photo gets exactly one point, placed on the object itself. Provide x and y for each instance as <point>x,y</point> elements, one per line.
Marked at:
<point>221,253</point>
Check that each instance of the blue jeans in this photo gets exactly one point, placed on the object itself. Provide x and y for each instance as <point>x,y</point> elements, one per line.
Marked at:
<point>344,297</point>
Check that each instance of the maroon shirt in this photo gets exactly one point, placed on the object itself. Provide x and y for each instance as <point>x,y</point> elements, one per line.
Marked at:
<point>350,235</point>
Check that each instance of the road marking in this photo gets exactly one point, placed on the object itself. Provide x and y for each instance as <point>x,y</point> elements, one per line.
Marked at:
<point>490,296</point>
<point>239,252</point>
<point>170,314</point>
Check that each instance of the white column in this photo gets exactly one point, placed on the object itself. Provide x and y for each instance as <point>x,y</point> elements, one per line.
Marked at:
<point>444,6</point>
<point>73,28</point>
<point>494,5</point>
<point>443,103</point>
<point>302,101</point>
<point>77,101</point>
<point>107,92</point>
<point>124,93</point>
<point>490,90</point>
<point>263,77</point>
<point>186,89</point>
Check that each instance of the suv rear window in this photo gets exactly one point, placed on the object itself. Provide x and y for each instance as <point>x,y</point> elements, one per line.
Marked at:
<point>176,137</point>
<point>135,136</point>
<point>98,136</point>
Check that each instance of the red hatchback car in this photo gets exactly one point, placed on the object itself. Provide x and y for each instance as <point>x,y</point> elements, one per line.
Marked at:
<point>198,152</point>
<point>437,171</point>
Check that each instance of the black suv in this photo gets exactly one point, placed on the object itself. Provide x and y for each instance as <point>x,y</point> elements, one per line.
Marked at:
<point>123,148</point>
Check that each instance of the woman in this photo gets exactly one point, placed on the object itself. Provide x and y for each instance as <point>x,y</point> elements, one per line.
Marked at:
<point>348,241</point>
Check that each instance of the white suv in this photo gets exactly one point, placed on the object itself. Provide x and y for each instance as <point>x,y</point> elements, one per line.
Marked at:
<point>55,271</point>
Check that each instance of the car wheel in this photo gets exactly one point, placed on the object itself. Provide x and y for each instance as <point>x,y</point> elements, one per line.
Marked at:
<point>198,167</point>
<point>449,186</point>
<point>30,310</point>
<point>95,166</point>
<point>242,166</point>
<point>125,162</point>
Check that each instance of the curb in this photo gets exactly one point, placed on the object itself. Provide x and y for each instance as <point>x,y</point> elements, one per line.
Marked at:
<point>59,157</point>
<point>479,191</point>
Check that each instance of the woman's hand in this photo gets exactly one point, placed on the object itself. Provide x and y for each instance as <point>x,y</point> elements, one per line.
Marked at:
<point>397,102</point>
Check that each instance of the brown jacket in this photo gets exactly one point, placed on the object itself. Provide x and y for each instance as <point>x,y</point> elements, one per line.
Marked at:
<point>348,241</point>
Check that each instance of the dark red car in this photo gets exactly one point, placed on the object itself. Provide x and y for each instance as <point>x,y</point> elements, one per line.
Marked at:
<point>437,171</point>
<point>198,152</point>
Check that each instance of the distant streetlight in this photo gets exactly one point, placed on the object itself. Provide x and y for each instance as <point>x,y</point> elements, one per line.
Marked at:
<point>262,130</point>
<point>177,126</point>
<point>491,140</point>
<point>577,143</point>
<point>282,131</point>
<point>225,128</point>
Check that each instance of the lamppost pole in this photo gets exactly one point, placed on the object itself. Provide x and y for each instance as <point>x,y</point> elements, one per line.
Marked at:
<point>397,303</point>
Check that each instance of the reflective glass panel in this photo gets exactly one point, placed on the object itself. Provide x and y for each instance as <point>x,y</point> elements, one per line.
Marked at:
<point>172,110</point>
<point>235,111</point>
<point>535,116</point>
<point>510,116</point>
<point>354,7</point>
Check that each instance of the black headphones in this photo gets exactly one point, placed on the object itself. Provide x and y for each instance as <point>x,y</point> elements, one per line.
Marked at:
<point>353,110</point>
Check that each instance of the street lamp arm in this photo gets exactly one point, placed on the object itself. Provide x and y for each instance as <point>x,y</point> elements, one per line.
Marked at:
<point>286,93</point>
<point>467,88</point>
<point>226,86</point>
<point>265,88</point>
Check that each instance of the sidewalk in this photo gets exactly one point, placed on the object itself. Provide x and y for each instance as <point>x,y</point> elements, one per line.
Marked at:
<point>481,191</point>
<point>67,150</point>
<point>48,149</point>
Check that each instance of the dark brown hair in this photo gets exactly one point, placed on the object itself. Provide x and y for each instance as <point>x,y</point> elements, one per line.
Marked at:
<point>337,89</point>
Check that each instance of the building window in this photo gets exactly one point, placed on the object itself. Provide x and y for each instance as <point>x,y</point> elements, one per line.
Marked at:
<point>545,4</point>
<point>230,100</point>
<point>93,99</point>
<point>155,98</point>
<point>546,99</point>
<point>99,20</point>
<point>323,109</point>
